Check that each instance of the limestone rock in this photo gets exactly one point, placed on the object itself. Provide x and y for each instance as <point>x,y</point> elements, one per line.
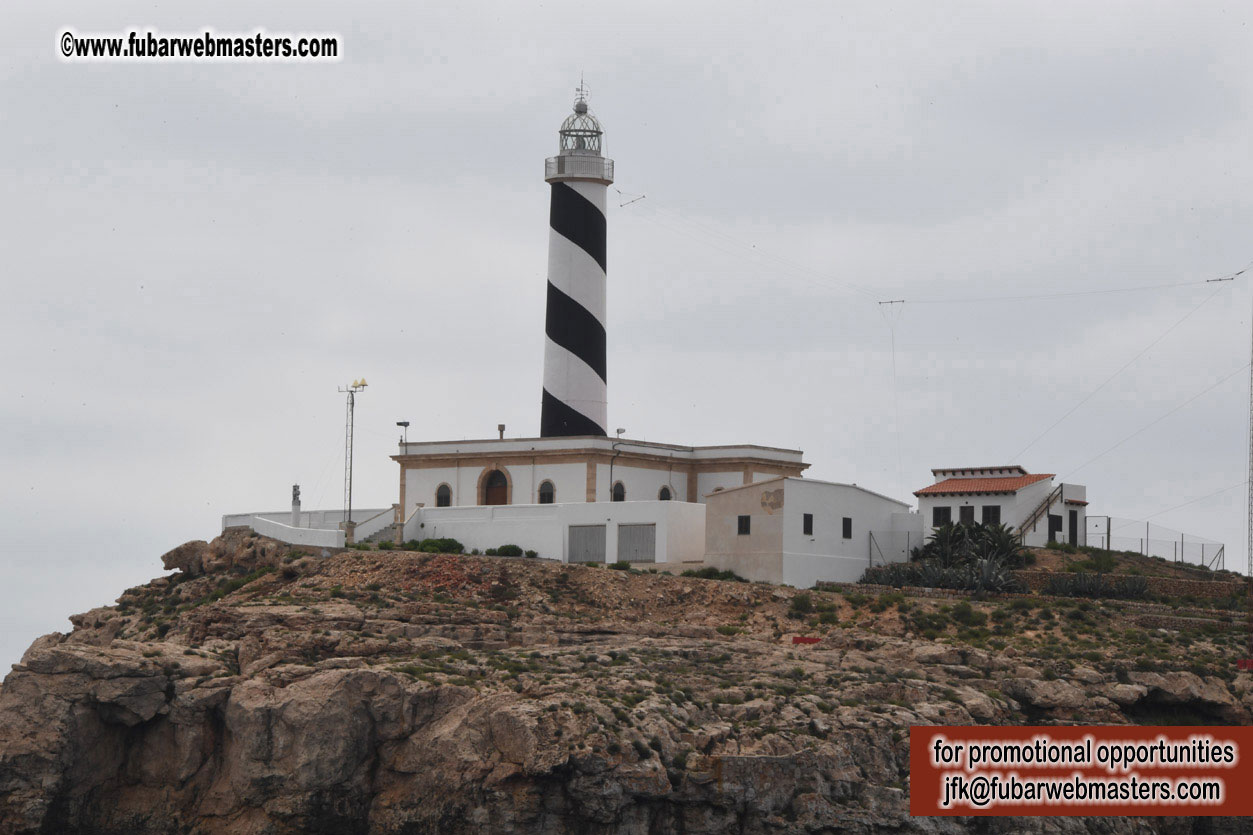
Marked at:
<point>188,557</point>
<point>1044,695</point>
<point>386,694</point>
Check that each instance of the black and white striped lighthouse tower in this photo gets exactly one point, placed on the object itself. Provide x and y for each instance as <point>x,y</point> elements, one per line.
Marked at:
<point>574,352</point>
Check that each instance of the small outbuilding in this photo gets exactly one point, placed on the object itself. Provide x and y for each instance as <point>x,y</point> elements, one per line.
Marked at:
<point>798,531</point>
<point>1029,503</point>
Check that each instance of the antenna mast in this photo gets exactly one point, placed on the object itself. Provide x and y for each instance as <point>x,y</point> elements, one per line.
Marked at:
<point>1246,663</point>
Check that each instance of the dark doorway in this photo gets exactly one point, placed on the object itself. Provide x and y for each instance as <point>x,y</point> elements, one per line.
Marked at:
<point>1055,527</point>
<point>496,488</point>
<point>1074,528</point>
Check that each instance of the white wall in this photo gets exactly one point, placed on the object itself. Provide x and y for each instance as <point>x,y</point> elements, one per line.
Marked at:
<point>543,528</point>
<point>642,485</point>
<point>827,554</point>
<point>706,483</point>
<point>778,551</point>
<point>308,518</point>
<point>804,570</point>
<point>314,537</point>
<point>1015,508</point>
<point>570,481</point>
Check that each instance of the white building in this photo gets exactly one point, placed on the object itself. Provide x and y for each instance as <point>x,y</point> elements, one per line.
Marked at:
<point>798,531</point>
<point>578,499</point>
<point>578,469</point>
<point>576,494</point>
<point>1031,504</point>
<point>660,532</point>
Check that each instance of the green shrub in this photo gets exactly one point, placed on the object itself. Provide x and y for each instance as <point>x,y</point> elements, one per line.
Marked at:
<point>509,551</point>
<point>620,565</point>
<point>490,552</point>
<point>966,615</point>
<point>386,545</point>
<point>887,600</point>
<point>532,554</point>
<point>802,604</point>
<point>711,573</point>
<point>438,546</point>
<point>855,599</point>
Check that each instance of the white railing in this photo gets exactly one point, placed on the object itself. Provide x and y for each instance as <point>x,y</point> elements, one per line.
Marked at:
<point>573,165</point>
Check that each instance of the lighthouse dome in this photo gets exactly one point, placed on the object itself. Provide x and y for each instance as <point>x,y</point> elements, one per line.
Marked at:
<point>581,132</point>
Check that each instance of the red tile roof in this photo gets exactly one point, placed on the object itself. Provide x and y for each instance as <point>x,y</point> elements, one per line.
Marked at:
<point>957,486</point>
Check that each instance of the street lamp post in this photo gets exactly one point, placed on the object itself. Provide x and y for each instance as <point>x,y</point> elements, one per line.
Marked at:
<point>351,390</point>
<point>616,453</point>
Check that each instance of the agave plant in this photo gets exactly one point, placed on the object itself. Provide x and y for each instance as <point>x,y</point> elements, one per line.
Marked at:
<point>991,576</point>
<point>933,576</point>
<point>1130,588</point>
<point>949,545</point>
<point>1089,585</point>
<point>1061,585</point>
<point>1003,544</point>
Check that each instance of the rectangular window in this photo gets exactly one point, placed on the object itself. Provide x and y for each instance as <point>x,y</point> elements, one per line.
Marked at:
<point>991,514</point>
<point>807,524</point>
<point>744,525</point>
<point>941,516</point>
<point>848,528</point>
<point>967,512</point>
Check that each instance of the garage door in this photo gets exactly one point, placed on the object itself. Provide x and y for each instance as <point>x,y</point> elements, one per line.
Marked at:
<point>637,543</point>
<point>587,543</point>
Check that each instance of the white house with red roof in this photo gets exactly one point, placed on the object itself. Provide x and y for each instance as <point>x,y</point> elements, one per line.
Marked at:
<point>1029,503</point>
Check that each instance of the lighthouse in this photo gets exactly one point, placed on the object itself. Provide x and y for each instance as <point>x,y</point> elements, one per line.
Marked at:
<point>574,401</point>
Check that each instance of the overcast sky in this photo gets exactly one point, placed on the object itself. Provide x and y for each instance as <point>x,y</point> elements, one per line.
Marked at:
<point>195,256</point>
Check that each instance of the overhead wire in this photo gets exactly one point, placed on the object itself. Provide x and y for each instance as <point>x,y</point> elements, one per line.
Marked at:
<point>1111,377</point>
<point>1150,425</point>
<point>684,226</point>
<point>1194,501</point>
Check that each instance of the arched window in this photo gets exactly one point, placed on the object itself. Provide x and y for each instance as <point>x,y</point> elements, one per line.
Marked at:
<point>664,493</point>
<point>443,496</point>
<point>547,493</point>
<point>619,492</point>
<point>496,488</point>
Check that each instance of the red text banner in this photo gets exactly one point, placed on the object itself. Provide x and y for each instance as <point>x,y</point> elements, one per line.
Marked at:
<point>1081,770</point>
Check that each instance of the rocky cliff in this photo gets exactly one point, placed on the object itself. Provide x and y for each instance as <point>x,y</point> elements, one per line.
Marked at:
<point>260,690</point>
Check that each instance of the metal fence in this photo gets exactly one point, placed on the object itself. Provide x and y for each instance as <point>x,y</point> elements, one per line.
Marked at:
<point>1117,534</point>
<point>892,546</point>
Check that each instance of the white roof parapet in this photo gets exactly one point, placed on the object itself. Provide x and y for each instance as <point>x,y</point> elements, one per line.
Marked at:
<point>484,446</point>
<point>979,472</point>
<point>800,480</point>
